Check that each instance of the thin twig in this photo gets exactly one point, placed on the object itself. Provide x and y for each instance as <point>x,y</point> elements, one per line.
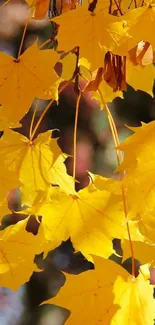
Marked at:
<point>122,174</point>
<point>119,160</point>
<point>75,133</point>
<point>5,3</point>
<point>24,32</point>
<point>33,117</point>
<point>45,111</point>
<point>45,43</point>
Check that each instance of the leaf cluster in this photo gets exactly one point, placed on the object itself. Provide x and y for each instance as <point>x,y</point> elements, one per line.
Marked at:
<point>102,46</point>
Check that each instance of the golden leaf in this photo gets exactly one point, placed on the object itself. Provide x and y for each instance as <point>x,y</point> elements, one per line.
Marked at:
<point>113,297</point>
<point>82,27</point>
<point>36,164</point>
<point>140,24</point>
<point>140,77</point>
<point>92,219</point>
<point>33,71</point>
<point>143,252</point>
<point>135,298</point>
<point>17,251</point>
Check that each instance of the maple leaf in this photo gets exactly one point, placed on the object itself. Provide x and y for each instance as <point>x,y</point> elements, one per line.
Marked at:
<point>39,8</point>
<point>17,251</point>
<point>4,210</point>
<point>103,32</point>
<point>68,66</point>
<point>135,298</point>
<point>147,222</point>
<point>136,19</point>
<point>113,299</point>
<point>103,183</point>
<point>8,181</point>
<point>37,164</point>
<point>92,219</point>
<point>143,252</point>
<point>34,71</point>
<point>139,163</point>
<point>140,78</point>
<point>94,288</point>
<point>8,119</point>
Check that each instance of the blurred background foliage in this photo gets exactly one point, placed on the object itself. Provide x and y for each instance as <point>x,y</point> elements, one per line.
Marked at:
<point>94,153</point>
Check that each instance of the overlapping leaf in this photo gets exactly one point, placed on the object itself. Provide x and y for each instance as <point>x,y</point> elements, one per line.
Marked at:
<point>31,76</point>
<point>143,252</point>
<point>139,163</point>
<point>107,295</point>
<point>17,251</point>
<point>92,218</point>
<point>140,78</point>
<point>79,25</point>
<point>95,215</point>
<point>36,164</point>
<point>89,295</point>
<point>136,19</point>
<point>135,299</point>
<point>8,182</point>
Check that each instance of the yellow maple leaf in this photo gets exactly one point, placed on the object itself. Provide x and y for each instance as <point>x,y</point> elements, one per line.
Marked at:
<point>8,181</point>
<point>140,78</point>
<point>136,19</point>
<point>92,287</point>
<point>33,71</point>
<point>68,66</point>
<point>113,298</point>
<point>92,219</point>
<point>139,144</point>
<point>147,221</point>
<point>39,8</point>
<point>139,163</point>
<point>36,164</point>
<point>143,252</point>
<point>79,25</point>
<point>109,184</point>
<point>8,119</point>
<point>4,210</point>
<point>17,251</point>
<point>135,299</point>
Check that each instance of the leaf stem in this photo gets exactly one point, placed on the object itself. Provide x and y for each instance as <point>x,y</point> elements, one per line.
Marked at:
<point>33,117</point>
<point>122,174</point>
<point>24,32</point>
<point>45,43</point>
<point>5,3</point>
<point>75,133</point>
<point>45,111</point>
